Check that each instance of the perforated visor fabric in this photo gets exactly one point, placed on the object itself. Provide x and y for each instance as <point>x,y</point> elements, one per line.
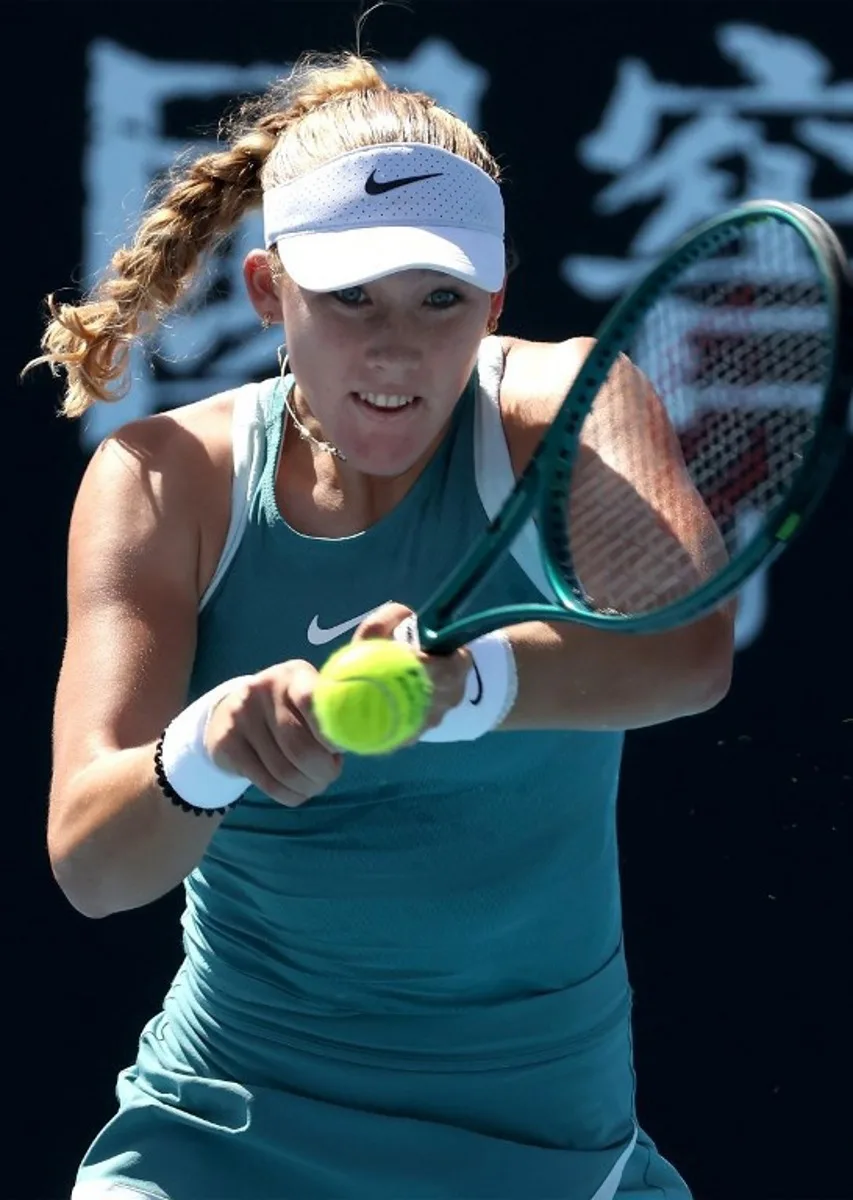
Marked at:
<point>388,208</point>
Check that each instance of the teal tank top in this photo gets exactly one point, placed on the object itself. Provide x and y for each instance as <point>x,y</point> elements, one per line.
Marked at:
<point>414,985</point>
<point>448,907</point>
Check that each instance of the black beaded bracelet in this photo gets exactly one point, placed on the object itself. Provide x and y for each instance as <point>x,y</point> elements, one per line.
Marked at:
<point>168,791</point>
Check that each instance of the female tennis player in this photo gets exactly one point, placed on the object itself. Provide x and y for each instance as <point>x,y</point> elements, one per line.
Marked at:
<point>404,976</point>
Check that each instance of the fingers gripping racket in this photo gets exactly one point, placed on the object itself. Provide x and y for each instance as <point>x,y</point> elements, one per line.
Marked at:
<point>723,379</point>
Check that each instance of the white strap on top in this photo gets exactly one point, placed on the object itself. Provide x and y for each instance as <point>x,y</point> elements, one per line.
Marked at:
<point>248,438</point>
<point>492,463</point>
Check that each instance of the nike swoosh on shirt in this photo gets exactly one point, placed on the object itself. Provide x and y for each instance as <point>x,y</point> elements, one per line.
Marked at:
<point>318,636</point>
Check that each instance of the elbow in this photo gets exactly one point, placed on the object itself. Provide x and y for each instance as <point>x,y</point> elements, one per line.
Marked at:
<point>79,899</point>
<point>71,861</point>
<point>72,881</point>
<point>710,688</point>
<point>71,849</point>
<point>708,661</point>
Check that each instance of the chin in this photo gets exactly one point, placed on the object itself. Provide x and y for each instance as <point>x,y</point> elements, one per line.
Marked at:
<point>383,468</point>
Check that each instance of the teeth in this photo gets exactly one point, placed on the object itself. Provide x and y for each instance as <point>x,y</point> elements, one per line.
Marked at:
<point>379,400</point>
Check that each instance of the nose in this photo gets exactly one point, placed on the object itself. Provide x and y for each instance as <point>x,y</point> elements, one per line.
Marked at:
<point>392,349</point>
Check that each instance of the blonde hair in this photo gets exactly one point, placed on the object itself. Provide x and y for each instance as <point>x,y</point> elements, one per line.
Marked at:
<point>327,106</point>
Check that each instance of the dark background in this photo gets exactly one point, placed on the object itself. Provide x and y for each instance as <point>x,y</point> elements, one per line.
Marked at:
<point>734,825</point>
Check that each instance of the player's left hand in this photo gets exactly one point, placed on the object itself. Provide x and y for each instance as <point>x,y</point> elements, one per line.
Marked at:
<point>448,672</point>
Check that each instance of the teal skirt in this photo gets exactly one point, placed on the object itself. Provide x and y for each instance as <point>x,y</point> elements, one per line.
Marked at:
<point>347,1131</point>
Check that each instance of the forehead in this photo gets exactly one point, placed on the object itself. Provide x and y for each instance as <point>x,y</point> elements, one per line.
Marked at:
<point>402,283</point>
<point>412,277</point>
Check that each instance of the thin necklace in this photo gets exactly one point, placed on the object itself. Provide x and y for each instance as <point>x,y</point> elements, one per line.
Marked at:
<point>305,434</point>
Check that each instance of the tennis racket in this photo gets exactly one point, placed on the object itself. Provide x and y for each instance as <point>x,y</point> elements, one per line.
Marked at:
<point>741,341</point>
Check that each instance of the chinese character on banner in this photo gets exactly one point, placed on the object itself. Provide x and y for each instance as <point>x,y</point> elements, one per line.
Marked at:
<point>143,113</point>
<point>671,147</point>
<point>687,173</point>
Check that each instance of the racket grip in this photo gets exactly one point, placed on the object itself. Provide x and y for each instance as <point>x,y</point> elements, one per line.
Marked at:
<point>490,689</point>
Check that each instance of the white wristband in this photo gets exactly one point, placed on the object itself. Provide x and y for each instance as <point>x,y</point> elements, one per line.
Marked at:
<point>490,689</point>
<point>188,767</point>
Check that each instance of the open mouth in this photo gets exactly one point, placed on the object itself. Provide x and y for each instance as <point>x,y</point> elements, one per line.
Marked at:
<point>385,405</point>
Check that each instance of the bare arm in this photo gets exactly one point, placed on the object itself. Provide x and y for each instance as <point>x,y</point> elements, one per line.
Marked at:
<point>640,537</point>
<point>146,533</point>
<point>570,677</point>
<point>114,840</point>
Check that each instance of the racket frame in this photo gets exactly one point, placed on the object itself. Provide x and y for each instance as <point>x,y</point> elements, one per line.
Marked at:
<point>541,489</point>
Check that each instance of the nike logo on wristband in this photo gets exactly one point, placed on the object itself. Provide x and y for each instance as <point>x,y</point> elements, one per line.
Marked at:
<point>319,636</point>
<point>375,187</point>
<point>478,696</point>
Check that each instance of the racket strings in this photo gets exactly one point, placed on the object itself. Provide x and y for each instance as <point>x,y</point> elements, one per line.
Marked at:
<point>632,545</point>
<point>738,352</point>
<point>759,351</point>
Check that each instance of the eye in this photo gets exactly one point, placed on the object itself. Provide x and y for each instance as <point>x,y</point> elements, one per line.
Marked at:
<point>443,298</point>
<point>352,297</point>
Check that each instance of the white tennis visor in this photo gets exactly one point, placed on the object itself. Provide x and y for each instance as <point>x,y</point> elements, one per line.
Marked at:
<point>381,209</point>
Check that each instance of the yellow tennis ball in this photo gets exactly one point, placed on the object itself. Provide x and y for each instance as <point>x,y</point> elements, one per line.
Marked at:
<point>372,696</point>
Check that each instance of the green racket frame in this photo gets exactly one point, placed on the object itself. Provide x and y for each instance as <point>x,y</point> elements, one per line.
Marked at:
<point>540,491</point>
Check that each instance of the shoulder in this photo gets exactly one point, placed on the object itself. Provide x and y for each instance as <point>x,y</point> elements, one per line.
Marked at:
<point>182,437</point>
<point>171,471</point>
<point>627,431</point>
<point>536,378</point>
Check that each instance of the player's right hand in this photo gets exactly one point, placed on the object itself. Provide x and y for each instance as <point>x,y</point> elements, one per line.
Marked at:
<point>265,730</point>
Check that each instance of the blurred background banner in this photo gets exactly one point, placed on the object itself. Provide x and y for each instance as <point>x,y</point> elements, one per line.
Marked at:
<point>620,124</point>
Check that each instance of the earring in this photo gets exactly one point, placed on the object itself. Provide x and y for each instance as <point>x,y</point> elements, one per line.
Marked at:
<point>492,325</point>
<point>266,322</point>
